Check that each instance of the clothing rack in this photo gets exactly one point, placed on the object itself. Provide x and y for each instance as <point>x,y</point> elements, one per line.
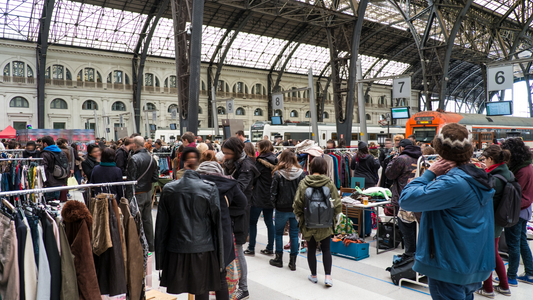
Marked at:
<point>21,159</point>
<point>11,150</point>
<point>61,188</point>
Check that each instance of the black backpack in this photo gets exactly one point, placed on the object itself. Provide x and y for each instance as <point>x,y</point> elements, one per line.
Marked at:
<point>402,269</point>
<point>508,212</point>
<point>318,208</point>
<point>61,169</point>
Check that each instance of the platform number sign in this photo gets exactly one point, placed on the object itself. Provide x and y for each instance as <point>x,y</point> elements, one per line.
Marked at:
<point>277,101</point>
<point>230,106</point>
<point>500,78</point>
<point>401,87</point>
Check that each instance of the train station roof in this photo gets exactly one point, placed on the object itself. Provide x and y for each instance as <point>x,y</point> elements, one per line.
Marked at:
<point>272,28</point>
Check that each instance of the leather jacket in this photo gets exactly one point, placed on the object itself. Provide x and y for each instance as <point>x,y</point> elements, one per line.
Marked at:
<point>284,187</point>
<point>189,219</point>
<point>264,163</point>
<point>137,166</point>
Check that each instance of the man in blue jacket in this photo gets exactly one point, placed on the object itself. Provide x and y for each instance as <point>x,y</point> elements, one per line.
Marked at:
<point>455,248</point>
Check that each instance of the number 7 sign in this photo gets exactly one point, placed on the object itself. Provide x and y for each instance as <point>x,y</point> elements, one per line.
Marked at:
<point>401,87</point>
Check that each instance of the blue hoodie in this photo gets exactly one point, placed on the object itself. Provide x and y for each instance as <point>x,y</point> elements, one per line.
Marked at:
<point>53,148</point>
<point>456,239</point>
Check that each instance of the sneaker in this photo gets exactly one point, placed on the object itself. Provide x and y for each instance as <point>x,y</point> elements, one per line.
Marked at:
<point>312,279</point>
<point>329,283</point>
<point>499,290</point>
<point>249,252</point>
<point>525,278</point>
<point>512,282</point>
<point>267,252</point>
<point>484,293</point>
<point>241,295</point>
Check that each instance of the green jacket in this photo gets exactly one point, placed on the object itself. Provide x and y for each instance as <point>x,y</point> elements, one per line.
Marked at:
<point>299,206</point>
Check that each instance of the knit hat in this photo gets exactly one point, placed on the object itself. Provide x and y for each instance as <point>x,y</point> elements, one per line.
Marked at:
<point>452,143</point>
<point>210,167</point>
<point>362,145</point>
<point>405,143</point>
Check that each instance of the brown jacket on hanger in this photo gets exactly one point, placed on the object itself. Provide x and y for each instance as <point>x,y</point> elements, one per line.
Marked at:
<point>78,221</point>
<point>134,266</point>
<point>100,229</point>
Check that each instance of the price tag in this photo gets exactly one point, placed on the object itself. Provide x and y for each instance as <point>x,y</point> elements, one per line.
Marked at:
<point>401,87</point>
<point>230,106</point>
<point>277,101</point>
<point>500,78</point>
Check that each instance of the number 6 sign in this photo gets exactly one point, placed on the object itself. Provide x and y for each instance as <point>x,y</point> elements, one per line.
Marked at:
<point>500,78</point>
<point>401,87</point>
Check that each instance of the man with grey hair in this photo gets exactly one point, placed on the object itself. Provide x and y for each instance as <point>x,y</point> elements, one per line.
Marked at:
<point>143,168</point>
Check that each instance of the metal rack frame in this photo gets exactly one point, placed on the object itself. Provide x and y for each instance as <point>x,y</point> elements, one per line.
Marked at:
<point>62,188</point>
<point>22,159</point>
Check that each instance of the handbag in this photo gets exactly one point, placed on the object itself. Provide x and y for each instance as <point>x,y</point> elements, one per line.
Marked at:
<point>386,234</point>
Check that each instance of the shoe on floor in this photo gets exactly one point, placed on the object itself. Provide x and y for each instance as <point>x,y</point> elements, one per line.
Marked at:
<point>499,290</point>
<point>329,282</point>
<point>249,252</point>
<point>484,293</point>
<point>312,279</point>
<point>525,278</point>
<point>241,295</point>
<point>288,246</point>
<point>512,282</point>
<point>267,252</point>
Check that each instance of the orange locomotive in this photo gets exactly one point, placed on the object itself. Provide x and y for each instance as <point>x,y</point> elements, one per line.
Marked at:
<point>425,125</point>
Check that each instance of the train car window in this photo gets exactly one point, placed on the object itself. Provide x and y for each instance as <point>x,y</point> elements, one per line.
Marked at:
<point>323,136</point>
<point>334,136</point>
<point>355,136</point>
<point>425,134</point>
<point>372,136</point>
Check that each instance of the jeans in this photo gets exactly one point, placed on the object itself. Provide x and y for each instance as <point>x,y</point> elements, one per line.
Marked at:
<point>441,290</point>
<point>281,219</point>
<point>500,270</point>
<point>516,239</point>
<point>145,206</point>
<point>78,176</point>
<point>243,281</point>
<point>268,213</point>
<point>409,236</point>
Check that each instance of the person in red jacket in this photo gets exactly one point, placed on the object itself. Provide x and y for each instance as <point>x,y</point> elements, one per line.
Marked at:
<point>516,236</point>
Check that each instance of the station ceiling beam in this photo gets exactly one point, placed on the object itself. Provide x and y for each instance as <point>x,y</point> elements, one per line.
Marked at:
<point>41,51</point>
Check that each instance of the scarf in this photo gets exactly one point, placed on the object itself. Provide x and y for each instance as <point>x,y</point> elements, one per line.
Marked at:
<point>231,165</point>
<point>493,167</point>
<point>108,164</point>
<point>210,167</point>
<point>517,167</point>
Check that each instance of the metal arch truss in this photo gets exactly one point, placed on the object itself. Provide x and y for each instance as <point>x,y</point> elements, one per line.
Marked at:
<point>187,45</point>
<point>143,43</point>
<point>42,48</point>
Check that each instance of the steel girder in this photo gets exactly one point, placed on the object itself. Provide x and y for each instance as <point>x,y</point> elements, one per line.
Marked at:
<point>188,46</point>
<point>42,48</point>
<point>138,62</point>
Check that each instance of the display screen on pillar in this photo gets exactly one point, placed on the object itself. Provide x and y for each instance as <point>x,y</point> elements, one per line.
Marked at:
<point>276,120</point>
<point>173,126</point>
<point>500,108</point>
<point>401,112</point>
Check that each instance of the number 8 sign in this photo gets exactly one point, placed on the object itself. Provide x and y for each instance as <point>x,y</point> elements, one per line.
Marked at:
<point>401,87</point>
<point>277,101</point>
<point>500,78</point>
<point>230,106</point>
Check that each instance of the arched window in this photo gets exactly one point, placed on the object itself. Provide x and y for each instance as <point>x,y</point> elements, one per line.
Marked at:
<point>308,114</point>
<point>278,113</point>
<point>89,105</point>
<point>19,102</point>
<point>150,106</point>
<point>325,115</point>
<point>170,82</point>
<point>294,94</point>
<point>199,110</point>
<point>203,86</point>
<point>239,111</point>
<point>171,107</point>
<point>58,72</point>
<point>116,76</point>
<point>7,70</point>
<point>157,84</point>
<point>149,79</point>
<point>220,86</point>
<point>368,117</point>
<point>258,112</point>
<point>18,69</point>
<point>258,89</point>
<point>118,106</point>
<point>240,87</point>
<point>294,114</point>
<point>58,104</point>
<point>221,110</point>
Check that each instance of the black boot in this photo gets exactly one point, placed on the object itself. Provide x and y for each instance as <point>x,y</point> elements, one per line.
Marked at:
<point>292,263</point>
<point>278,261</point>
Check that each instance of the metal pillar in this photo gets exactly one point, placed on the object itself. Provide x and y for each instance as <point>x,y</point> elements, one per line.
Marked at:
<point>312,105</point>
<point>362,111</point>
<point>138,63</point>
<point>195,62</point>
<point>42,48</point>
<point>345,128</point>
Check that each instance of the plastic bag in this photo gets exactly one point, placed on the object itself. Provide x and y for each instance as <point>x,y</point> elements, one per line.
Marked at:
<point>72,181</point>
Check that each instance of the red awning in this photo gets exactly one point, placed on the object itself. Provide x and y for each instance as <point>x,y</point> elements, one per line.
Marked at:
<point>8,133</point>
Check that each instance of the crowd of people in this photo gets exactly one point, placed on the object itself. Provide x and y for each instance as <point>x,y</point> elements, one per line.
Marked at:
<point>223,189</point>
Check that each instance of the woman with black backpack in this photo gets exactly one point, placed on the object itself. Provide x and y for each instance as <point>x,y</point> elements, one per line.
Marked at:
<point>495,160</point>
<point>317,228</point>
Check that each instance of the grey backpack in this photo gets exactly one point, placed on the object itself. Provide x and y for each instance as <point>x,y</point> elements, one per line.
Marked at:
<point>318,208</point>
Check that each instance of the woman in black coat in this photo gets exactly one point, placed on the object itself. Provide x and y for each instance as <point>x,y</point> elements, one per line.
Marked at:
<point>107,171</point>
<point>93,159</point>
<point>265,164</point>
<point>365,165</point>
